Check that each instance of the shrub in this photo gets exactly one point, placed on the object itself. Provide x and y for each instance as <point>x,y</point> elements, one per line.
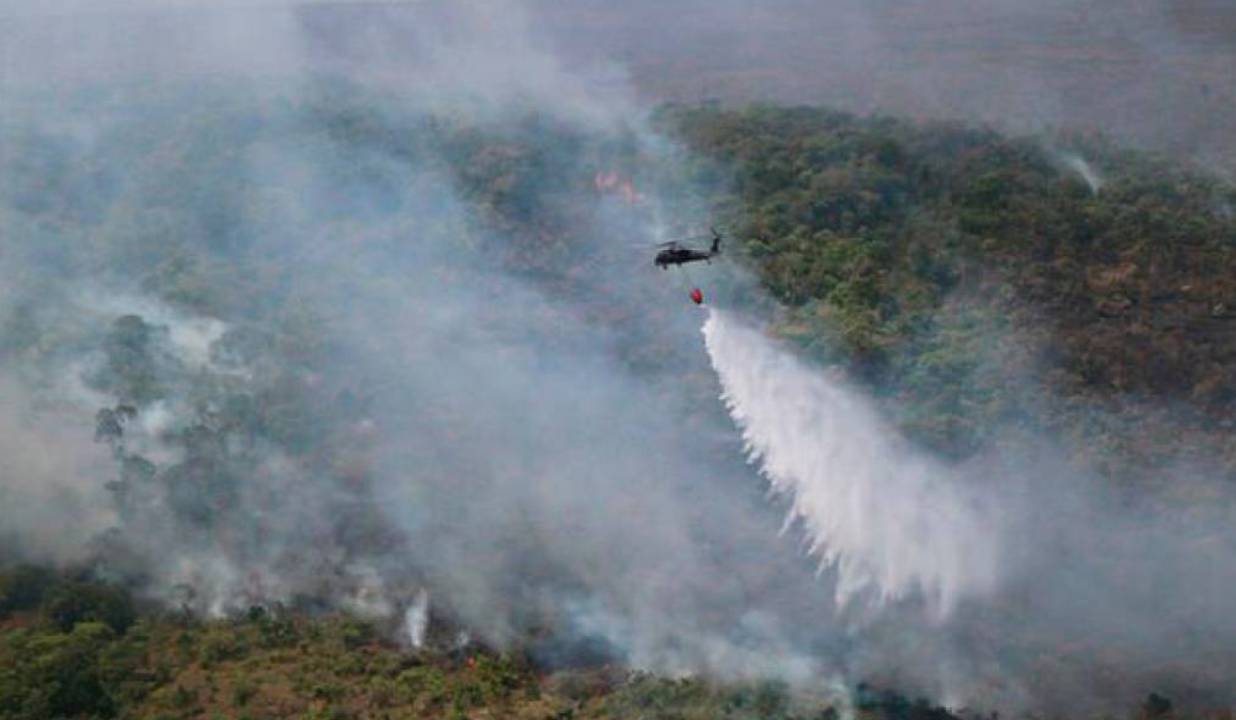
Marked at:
<point>24,588</point>
<point>77,602</point>
<point>242,693</point>
<point>221,645</point>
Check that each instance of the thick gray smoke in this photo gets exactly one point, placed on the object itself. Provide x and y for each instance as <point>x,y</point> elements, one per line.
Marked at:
<point>359,326</point>
<point>53,478</point>
<point>351,306</point>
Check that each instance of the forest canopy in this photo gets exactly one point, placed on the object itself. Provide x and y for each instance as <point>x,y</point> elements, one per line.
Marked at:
<point>238,271</point>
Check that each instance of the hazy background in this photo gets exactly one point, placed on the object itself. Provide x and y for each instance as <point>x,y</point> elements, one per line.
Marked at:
<point>543,451</point>
<point>1157,73</point>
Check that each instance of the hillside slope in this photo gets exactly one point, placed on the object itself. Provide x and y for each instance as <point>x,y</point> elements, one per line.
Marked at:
<point>983,283</point>
<point>323,347</point>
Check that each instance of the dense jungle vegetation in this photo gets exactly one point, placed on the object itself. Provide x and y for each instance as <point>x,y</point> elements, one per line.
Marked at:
<point>72,647</point>
<point>984,286</point>
<point>75,647</point>
<point>979,285</point>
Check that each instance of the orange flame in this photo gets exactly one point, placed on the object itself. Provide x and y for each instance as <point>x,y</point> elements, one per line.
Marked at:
<point>612,183</point>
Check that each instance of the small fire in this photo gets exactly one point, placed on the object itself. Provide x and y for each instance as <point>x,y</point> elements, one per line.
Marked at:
<point>614,184</point>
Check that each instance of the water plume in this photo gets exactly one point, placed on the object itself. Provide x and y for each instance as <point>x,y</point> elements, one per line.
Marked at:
<point>889,520</point>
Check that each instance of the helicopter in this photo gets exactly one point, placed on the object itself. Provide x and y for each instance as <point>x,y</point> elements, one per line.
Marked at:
<point>672,253</point>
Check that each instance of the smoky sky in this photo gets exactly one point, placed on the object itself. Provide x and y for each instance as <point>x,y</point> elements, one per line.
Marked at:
<point>1151,72</point>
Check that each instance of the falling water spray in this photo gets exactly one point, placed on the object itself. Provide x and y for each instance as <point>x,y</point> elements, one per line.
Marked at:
<point>891,522</point>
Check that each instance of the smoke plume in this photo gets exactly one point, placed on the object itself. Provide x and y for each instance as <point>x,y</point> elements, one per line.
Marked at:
<point>337,306</point>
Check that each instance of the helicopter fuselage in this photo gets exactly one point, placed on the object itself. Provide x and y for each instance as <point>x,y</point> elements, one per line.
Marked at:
<point>679,256</point>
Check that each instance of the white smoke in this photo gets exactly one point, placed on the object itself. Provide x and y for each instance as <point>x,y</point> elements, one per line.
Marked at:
<point>190,336</point>
<point>416,619</point>
<point>890,521</point>
<point>52,497</point>
<point>1078,164</point>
